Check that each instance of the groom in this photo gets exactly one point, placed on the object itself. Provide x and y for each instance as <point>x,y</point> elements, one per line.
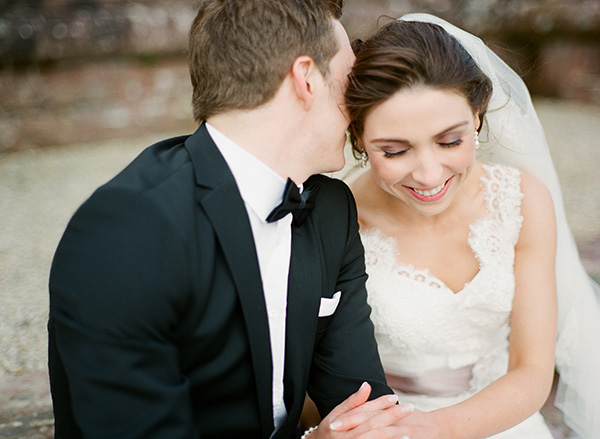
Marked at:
<point>184,302</point>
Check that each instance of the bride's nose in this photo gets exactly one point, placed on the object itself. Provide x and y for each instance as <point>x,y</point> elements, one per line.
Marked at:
<point>428,170</point>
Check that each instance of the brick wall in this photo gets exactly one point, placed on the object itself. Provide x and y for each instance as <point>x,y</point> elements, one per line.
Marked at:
<point>554,44</point>
<point>104,69</point>
<point>73,71</point>
<point>80,102</point>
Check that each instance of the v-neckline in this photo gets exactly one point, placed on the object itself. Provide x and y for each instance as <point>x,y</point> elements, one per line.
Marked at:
<point>425,272</point>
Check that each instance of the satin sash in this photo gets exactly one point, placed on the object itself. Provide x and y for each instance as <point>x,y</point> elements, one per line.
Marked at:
<point>438,382</point>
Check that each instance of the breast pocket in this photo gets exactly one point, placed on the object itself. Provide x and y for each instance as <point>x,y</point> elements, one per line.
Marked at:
<point>327,309</point>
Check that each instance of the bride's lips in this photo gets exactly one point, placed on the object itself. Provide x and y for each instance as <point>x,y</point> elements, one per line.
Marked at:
<point>431,198</point>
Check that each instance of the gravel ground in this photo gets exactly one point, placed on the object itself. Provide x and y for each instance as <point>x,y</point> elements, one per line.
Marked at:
<point>40,190</point>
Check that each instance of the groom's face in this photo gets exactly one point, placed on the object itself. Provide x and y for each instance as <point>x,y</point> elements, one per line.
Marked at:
<point>332,117</point>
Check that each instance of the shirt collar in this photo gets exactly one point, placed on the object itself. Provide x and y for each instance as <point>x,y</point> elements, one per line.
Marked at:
<point>259,185</point>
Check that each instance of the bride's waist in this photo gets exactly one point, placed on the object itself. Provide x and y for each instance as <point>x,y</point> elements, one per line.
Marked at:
<point>411,361</point>
<point>437,382</point>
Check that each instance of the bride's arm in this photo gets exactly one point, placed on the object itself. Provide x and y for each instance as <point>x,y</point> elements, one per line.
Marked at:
<point>524,389</point>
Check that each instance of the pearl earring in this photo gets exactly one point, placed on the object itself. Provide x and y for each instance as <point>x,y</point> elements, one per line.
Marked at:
<point>476,139</point>
<point>363,159</point>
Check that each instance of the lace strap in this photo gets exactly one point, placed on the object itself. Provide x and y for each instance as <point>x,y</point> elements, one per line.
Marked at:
<point>502,186</point>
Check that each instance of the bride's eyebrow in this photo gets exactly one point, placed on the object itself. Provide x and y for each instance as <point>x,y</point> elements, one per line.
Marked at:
<point>384,140</point>
<point>453,127</point>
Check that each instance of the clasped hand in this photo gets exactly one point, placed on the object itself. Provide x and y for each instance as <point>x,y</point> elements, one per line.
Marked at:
<point>359,418</point>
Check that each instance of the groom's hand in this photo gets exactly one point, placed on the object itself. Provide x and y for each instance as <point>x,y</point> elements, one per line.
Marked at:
<point>374,417</point>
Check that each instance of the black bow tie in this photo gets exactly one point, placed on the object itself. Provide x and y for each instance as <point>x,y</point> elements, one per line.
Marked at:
<point>294,202</point>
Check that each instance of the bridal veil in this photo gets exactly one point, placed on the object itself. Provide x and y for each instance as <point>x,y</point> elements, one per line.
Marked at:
<point>514,136</point>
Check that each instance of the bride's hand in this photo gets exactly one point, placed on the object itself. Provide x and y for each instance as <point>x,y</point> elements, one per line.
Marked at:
<point>357,417</point>
<point>419,425</point>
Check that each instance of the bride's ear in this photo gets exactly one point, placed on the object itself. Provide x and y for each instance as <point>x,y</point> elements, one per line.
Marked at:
<point>303,75</point>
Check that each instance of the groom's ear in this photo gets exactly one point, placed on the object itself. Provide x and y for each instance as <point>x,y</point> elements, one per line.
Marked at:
<point>304,73</point>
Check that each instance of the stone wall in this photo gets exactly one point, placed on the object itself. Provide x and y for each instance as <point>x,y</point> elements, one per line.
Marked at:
<point>554,44</point>
<point>46,31</point>
<point>74,71</point>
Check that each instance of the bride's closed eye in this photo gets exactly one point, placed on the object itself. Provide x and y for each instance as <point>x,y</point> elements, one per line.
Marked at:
<point>391,154</point>
<point>457,142</point>
<point>451,139</point>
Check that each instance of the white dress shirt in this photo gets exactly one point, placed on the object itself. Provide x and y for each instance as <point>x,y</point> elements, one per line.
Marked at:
<point>262,190</point>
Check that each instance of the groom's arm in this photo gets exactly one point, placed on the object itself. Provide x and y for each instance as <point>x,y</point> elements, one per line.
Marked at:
<point>346,353</point>
<point>113,299</point>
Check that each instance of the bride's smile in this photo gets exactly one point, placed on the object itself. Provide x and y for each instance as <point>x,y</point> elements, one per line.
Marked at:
<point>431,195</point>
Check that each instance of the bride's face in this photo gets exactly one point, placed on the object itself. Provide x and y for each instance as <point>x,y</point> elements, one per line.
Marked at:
<point>421,146</point>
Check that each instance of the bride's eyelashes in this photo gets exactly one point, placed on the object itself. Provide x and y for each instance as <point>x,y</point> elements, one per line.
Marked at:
<point>391,154</point>
<point>457,142</point>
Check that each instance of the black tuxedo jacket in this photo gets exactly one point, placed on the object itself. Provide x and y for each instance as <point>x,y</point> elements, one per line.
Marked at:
<point>158,325</point>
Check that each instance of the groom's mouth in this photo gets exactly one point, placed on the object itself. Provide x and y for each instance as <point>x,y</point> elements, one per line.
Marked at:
<point>431,195</point>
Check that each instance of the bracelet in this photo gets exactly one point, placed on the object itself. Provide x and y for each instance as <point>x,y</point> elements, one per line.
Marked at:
<point>309,431</point>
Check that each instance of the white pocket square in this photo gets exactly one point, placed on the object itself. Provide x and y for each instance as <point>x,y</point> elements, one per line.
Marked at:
<point>328,305</point>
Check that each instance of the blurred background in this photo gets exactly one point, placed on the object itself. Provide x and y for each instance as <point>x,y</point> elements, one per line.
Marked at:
<point>76,70</point>
<point>86,85</point>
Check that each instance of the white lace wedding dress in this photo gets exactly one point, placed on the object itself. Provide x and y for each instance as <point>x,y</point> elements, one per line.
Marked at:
<point>425,330</point>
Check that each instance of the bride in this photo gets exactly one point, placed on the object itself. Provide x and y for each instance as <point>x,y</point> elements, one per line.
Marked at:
<point>461,251</point>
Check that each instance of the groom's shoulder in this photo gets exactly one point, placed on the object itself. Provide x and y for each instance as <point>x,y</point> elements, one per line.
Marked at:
<point>330,189</point>
<point>329,183</point>
<point>334,198</point>
<point>160,178</point>
<point>155,165</point>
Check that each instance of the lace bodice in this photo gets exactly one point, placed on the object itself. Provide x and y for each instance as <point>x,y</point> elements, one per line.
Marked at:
<point>421,324</point>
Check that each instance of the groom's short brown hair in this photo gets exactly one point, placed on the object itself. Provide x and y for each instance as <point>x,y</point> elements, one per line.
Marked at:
<point>240,50</point>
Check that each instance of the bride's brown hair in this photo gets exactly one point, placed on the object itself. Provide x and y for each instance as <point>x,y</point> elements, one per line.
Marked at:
<point>406,54</point>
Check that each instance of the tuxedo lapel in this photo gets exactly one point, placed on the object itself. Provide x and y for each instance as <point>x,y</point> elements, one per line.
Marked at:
<point>221,200</point>
<point>305,286</point>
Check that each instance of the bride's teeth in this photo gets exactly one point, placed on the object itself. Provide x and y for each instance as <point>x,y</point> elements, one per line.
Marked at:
<point>431,192</point>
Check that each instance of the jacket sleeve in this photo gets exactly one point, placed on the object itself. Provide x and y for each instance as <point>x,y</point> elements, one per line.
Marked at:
<point>115,294</point>
<point>346,352</point>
